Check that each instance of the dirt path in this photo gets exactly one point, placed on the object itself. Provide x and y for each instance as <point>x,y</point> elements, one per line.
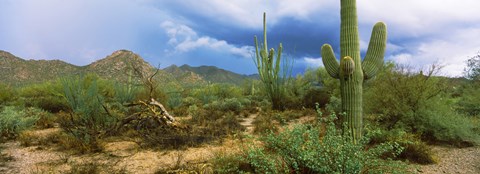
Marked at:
<point>248,123</point>
<point>453,160</point>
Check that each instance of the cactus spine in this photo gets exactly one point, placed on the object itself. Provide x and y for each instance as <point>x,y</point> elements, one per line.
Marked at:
<point>351,71</point>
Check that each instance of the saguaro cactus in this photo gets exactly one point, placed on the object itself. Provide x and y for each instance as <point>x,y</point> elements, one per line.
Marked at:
<point>352,71</point>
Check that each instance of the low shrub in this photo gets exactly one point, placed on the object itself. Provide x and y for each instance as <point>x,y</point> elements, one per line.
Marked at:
<point>7,94</point>
<point>228,105</point>
<point>14,120</point>
<point>444,125</point>
<point>414,150</point>
<point>205,126</point>
<point>303,149</point>
<point>46,96</point>
<point>264,123</point>
<point>88,117</point>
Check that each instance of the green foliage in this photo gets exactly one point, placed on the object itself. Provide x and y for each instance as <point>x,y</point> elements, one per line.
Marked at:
<point>414,150</point>
<point>47,96</point>
<point>352,71</point>
<point>251,87</point>
<point>405,92</point>
<point>468,102</point>
<point>14,120</point>
<point>7,94</point>
<point>443,124</point>
<point>232,104</point>
<point>415,102</point>
<point>125,93</point>
<point>88,117</point>
<point>317,148</point>
<point>273,72</point>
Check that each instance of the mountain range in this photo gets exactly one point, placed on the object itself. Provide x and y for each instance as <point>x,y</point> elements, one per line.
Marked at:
<point>18,71</point>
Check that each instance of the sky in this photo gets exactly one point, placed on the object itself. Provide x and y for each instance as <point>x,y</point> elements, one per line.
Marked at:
<point>220,32</point>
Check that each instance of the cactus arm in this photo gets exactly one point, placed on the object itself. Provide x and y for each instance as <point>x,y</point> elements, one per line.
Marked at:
<point>277,60</point>
<point>347,66</point>
<point>376,51</point>
<point>330,62</point>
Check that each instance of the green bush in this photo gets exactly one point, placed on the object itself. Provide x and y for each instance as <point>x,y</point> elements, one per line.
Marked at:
<point>417,103</point>
<point>468,102</point>
<point>88,117</point>
<point>7,94</point>
<point>443,124</point>
<point>303,149</point>
<point>14,120</point>
<point>47,96</point>
<point>214,92</point>
<point>228,105</point>
<point>414,149</point>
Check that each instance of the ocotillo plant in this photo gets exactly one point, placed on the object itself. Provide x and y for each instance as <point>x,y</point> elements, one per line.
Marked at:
<point>352,71</point>
<point>270,69</point>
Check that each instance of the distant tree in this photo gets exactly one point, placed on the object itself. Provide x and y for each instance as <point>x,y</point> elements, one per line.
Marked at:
<point>472,71</point>
<point>399,93</point>
<point>470,92</point>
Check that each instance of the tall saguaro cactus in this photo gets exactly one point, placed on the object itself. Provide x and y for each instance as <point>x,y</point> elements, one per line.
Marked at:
<point>352,71</point>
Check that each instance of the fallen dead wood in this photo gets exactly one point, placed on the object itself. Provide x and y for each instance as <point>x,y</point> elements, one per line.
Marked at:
<point>152,110</point>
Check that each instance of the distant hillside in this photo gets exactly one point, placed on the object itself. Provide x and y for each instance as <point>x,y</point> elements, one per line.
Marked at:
<point>17,71</point>
<point>209,73</point>
<point>117,66</point>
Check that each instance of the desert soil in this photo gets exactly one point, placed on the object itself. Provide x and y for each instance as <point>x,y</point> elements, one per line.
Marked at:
<point>453,160</point>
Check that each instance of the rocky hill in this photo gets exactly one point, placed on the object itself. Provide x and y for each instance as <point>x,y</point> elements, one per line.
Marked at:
<point>17,71</point>
<point>118,65</point>
<point>208,73</point>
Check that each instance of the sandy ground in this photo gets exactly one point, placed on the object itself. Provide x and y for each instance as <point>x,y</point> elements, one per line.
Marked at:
<point>453,160</point>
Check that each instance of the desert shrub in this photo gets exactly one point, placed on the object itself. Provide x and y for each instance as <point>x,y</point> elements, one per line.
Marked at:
<point>443,124</point>
<point>303,149</point>
<point>157,93</point>
<point>214,92</point>
<point>468,102</point>
<point>228,105</point>
<point>174,100</point>
<point>47,96</point>
<point>125,93</point>
<point>315,95</point>
<point>200,131</point>
<point>264,123</point>
<point>414,150</point>
<point>416,103</point>
<point>7,94</point>
<point>88,117</point>
<point>188,101</point>
<point>205,125</point>
<point>404,93</point>
<point>45,118</point>
<point>14,120</point>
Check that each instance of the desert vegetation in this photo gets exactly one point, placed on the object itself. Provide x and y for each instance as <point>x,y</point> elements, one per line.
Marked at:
<point>418,109</point>
<point>279,123</point>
